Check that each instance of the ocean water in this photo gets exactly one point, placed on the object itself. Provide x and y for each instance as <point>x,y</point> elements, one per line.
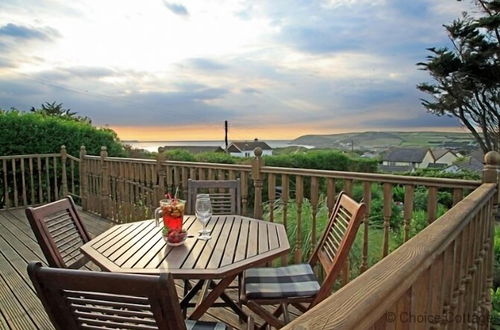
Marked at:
<point>152,146</point>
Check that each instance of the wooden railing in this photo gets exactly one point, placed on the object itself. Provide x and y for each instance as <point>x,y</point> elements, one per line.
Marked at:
<point>441,278</point>
<point>37,179</point>
<point>124,190</point>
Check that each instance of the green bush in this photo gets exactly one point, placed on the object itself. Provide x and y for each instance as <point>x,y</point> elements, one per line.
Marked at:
<point>34,133</point>
<point>179,155</point>
<point>215,157</point>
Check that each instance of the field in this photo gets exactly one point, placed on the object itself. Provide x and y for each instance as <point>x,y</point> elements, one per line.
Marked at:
<point>383,140</point>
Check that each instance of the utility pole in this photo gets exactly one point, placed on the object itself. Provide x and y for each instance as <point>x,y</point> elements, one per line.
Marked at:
<point>225,134</point>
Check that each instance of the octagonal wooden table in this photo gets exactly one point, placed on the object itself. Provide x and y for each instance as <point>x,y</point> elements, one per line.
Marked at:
<point>237,243</point>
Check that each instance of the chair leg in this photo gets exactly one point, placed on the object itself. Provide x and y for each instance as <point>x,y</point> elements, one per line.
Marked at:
<point>286,315</point>
<point>265,315</point>
<point>300,307</point>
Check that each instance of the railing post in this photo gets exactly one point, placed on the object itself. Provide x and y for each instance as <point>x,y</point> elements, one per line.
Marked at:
<point>491,175</point>
<point>257,164</point>
<point>83,178</point>
<point>160,173</point>
<point>104,201</point>
<point>64,178</point>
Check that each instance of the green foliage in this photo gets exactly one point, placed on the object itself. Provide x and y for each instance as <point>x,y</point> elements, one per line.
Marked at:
<point>35,133</point>
<point>322,160</point>
<point>464,174</point>
<point>57,110</point>
<point>215,157</point>
<point>467,76</point>
<point>495,312</point>
<point>179,155</point>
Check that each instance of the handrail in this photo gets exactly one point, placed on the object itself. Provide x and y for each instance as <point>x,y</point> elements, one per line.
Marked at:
<point>362,302</point>
<point>375,177</point>
<point>29,156</point>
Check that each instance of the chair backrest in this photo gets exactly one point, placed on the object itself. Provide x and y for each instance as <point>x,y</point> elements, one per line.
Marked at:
<point>225,195</point>
<point>333,248</point>
<point>78,299</point>
<point>60,232</point>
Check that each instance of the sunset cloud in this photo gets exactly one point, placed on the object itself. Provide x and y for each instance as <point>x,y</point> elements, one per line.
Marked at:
<point>318,65</point>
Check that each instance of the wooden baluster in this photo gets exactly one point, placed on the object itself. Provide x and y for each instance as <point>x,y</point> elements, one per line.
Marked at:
<point>314,209</point>
<point>330,195</point>
<point>387,187</point>
<point>285,193</point>
<point>367,198</point>
<point>32,182</point>
<point>161,173</point>
<point>299,198</point>
<point>244,192</point>
<point>14,179</point>
<point>56,185</point>
<point>458,195</point>
<point>5,184</point>
<point>72,169</point>
<point>211,176</point>
<point>40,187</point>
<point>271,194</point>
<point>122,205</point>
<point>408,210</point>
<point>104,202</point>
<point>192,173</point>
<point>348,187</point>
<point>258,181</point>
<point>23,183</point>
<point>432,204</point>
<point>170,180</point>
<point>232,175</point>
<point>83,173</point>
<point>201,173</point>
<point>47,171</point>
<point>177,180</point>
<point>184,183</point>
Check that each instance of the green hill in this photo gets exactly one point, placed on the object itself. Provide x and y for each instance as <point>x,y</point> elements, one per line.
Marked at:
<point>383,140</point>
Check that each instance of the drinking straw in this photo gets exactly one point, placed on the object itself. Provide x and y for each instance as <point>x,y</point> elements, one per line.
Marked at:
<point>176,191</point>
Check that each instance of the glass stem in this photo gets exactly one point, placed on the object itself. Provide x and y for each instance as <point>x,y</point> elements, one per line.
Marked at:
<point>204,228</point>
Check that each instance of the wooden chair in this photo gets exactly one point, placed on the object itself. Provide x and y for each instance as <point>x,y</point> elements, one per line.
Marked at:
<point>297,284</point>
<point>78,299</point>
<point>226,199</point>
<point>60,233</point>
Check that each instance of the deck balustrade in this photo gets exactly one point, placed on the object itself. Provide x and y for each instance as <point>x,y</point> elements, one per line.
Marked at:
<point>443,270</point>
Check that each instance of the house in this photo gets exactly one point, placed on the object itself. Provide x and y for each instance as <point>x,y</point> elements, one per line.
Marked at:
<point>405,159</point>
<point>444,156</point>
<point>246,148</point>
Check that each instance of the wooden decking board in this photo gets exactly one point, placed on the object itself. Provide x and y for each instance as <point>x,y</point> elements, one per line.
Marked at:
<point>19,306</point>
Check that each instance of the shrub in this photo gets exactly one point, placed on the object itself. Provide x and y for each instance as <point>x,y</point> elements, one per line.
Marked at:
<point>35,133</point>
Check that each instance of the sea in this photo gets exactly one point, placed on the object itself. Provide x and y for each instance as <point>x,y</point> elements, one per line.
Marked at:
<point>152,146</point>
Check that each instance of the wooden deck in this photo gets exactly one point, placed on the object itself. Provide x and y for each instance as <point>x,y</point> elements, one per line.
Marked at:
<point>19,305</point>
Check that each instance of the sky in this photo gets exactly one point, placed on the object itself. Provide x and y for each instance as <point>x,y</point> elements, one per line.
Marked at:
<point>165,70</point>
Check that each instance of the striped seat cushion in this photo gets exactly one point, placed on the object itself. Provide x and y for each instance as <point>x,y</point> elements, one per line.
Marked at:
<point>281,282</point>
<point>204,325</point>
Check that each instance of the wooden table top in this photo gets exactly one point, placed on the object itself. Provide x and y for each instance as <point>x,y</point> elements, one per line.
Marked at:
<point>237,243</point>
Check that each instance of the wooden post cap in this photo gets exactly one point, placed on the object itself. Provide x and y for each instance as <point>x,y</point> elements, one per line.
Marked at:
<point>492,158</point>
<point>258,151</point>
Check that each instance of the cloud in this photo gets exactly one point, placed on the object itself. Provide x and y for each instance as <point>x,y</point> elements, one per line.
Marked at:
<point>176,8</point>
<point>206,64</point>
<point>27,33</point>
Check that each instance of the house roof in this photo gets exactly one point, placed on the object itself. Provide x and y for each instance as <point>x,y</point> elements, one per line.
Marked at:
<point>437,166</point>
<point>248,146</point>
<point>196,149</point>
<point>440,152</point>
<point>471,164</point>
<point>412,155</point>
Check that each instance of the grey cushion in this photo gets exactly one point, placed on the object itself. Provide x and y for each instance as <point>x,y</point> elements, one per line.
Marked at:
<point>204,325</point>
<point>281,282</point>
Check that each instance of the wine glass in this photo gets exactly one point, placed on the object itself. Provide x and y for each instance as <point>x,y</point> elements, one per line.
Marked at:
<point>203,210</point>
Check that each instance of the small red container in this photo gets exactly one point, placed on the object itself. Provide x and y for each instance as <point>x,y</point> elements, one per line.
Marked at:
<point>173,213</point>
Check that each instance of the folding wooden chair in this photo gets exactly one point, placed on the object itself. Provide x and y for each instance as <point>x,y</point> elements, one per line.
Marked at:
<point>226,198</point>
<point>60,233</point>
<point>78,299</point>
<point>297,284</point>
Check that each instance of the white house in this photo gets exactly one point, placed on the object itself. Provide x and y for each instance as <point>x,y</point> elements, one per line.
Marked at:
<point>444,156</point>
<point>406,159</point>
<point>246,148</point>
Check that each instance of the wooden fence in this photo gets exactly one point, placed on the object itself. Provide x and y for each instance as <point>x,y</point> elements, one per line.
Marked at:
<point>440,279</point>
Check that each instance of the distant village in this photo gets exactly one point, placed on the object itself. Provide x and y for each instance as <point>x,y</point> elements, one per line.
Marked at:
<point>450,159</point>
